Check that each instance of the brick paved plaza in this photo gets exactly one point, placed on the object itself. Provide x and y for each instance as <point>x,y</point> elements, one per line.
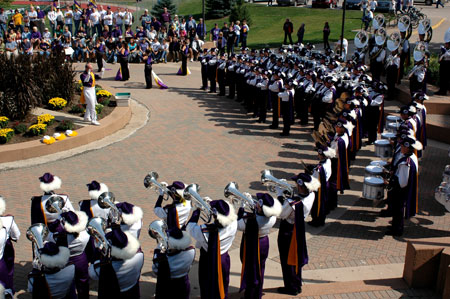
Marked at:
<point>197,137</point>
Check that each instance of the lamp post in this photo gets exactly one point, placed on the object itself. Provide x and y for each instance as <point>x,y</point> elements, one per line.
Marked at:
<point>203,12</point>
<point>343,23</point>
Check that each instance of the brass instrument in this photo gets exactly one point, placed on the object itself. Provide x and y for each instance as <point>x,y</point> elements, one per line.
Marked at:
<point>361,40</point>
<point>417,67</point>
<point>191,192</point>
<point>268,180</point>
<point>106,200</point>
<point>378,22</point>
<point>158,231</point>
<point>404,25</point>
<point>151,181</point>
<point>96,228</point>
<point>238,199</point>
<point>37,233</point>
<point>425,28</point>
<point>393,43</point>
<point>54,204</point>
<point>380,39</point>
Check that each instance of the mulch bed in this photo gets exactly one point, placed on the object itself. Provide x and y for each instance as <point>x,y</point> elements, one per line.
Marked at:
<point>32,119</point>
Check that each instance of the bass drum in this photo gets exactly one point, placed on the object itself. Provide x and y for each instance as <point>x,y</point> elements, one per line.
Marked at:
<point>373,188</point>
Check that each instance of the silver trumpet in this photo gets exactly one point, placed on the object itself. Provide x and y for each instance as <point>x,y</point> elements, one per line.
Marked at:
<point>158,231</point>
<point>268,180</point>
<point>151,181</point>
<point>37,233</point>
<point>54,204</point>
<point>238,199</point>
<point>96,228</point>
<point>191,193</point>
<point>106,200</point>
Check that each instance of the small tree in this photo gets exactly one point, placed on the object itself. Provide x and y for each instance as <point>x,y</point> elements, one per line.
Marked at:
<point>240,12</point>
<point>158,8</point>
<point>216,9</point>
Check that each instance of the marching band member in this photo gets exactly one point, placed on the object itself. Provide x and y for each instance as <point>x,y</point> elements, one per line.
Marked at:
<point>131,218</point>
<point>221,74</point>
<point>72,228</point>
<point>316,104</point>
<point>404,52</point>
<point>417,76</point>
<point>172,267</point>
<point>264,93</point>
<point>119,277</point>
<point>406,113</point>
<point>404,183</point>
<point>377,56</point>
<point>176,213</point>
<point>54,279</point>
<point>291,235</point>
<point>444,65</point>
<point>90,206</point>
<point>392,65</point>
<point>322,172</point>
<point>214,240</point>
<point>339,180</point>
<point>89,96</point>
<point>204,58</point>
<point>231,76</point>
<point>305,91</point>
<point>419,98</point>
<point>39,213</point>
<point>275,88</point>
<point>287,106</point>
<point>255,242</point>
<point>9,231</point>
<point>212,71</point>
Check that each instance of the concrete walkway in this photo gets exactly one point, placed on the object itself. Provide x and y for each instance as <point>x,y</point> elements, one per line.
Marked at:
<point>198,137</point>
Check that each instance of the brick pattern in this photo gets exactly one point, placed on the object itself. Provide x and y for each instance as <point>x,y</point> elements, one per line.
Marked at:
<point>198,137</point>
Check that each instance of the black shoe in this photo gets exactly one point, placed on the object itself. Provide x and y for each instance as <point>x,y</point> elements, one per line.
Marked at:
<point>149,87</point>
<point>391,232</point>
<point>368,143</point>
<point>230,97</point>
<point>284,134</point>
<point>273,127</point>
<point>221,94</point>
<point>316,223</point>
<point>284,290</point>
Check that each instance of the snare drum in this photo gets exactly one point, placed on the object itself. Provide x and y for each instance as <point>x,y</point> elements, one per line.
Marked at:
<point>373,171</point>
<point>388,136</point>
<point>380,163</point>
<point>392,119</point>
<point>393,127</point>
<point>373,188</point>
<point>383,148</point>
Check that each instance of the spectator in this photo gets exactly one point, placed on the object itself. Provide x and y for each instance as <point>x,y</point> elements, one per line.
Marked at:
<point>300,33</point>
<point>59,17</point>
<point>326,34</point>
<point>156,24</point>
<point>127,18</point>
<point>201,29</point>
<point>18,19</point>
<point>373,5</point>
<point>77,19</point>
<point>68,14</point>
<point>191,35</point>
<point>164,51</point>
<point>231,40</point>
<point>129,35</point>
<point>89,50</point>
<point>108,18</point>
<point>58,32</point>
<point>156,50</point>
<point>439,2</point>
<point>225,30</point>
<point>33,16</point>
<point>146,20</point>
<point>166,18</point>
<point>26,19</point>
<point>78,54</point>
<point>35,35</point>
<point>95,19</point>
<point>143,45</point>
<point>363,4</point>
<point>106,33</point>
<point>176,22</point>
<point>174,49</point>
<point>118,17</point>
<point>111,50</point>
<point>288,28</point>
<point>46,35</point>
<point>183,26</point>
<point>3,23</point>
<point>11,48</point>
<point>26,47</point>
<point>214,34</point>
<point>44,48</point>
<point>162,34</point>
<point>237,30</point>
<point>196,47</point>
<point>221,43</point>
<point>116,32</point>
<point>81,33</point>
<point>140,34</point>
<point>191,24</point>
<point>26,33</point>
<point>66,33</point>
<point>172,31</point>
<point>133,51</point>
<point>244,33</point>
<point>40,22</point>
<point>368,19</point>
<point>52,20</point>
<point>2,47</point>
<point>337,47</point>
<point>152,34</point>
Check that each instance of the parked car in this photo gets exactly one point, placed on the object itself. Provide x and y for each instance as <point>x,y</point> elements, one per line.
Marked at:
<point>384,5</point>
<point>353,4</point>
<point>426,2</point>
<point>324,3</point>
<point>292,2</point>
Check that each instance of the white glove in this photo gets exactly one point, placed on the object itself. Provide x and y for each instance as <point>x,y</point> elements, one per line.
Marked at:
<point>161,192</point>
<point>207,199</point>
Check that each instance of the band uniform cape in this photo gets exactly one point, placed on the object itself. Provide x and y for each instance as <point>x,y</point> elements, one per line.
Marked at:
<point>250,255</point>
<point>298,252</point>
<point>88,87</point>
<point>7,261</point>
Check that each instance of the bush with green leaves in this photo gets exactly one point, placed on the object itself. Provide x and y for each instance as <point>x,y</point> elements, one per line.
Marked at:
<point>6,135</point>
<point>37,129</point>
<point>104,101</point>
<point>99,108</point>
<point>19,128</point>
<point>64,125</point>
<point>216,9</point>
<point>240,12</point>
<point>158,8</point>
<point>3,122</point>
<point>76,109</point>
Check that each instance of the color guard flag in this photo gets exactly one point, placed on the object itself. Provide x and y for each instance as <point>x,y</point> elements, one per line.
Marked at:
<point>93,3</point>
<point>76,4</point>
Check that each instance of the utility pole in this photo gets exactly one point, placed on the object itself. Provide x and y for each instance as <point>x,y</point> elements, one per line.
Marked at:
<point>343,22</point>
<point>203,11</point>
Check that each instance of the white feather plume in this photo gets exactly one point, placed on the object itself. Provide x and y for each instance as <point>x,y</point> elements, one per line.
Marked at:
<point>314,185</point>
<point>274,210</point>
<point>56,261</point>
<point>56,184</point>
<point>180,244</point>
<point>80,226</point>
<point>2,206</point>
<point>130,219</point>
<point>128,251</point>
<point>94,194</point>
<point>227,220</point>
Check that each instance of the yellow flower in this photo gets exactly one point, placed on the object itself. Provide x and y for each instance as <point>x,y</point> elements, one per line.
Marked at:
<point>5,132</point>
<point>3,118</point>
<point>104,93</point>
<point>71,133</point>
<point>45,118</point>
<point>37,129</point>
<point>58,103</point>
<point>48,140</point>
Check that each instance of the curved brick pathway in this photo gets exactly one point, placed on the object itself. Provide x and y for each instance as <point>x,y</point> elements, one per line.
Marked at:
<point>197,137</point>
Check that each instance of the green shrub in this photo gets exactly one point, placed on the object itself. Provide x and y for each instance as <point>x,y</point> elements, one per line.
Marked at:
<point>64,125</point>
<point>104,101</point>
<point>19,128</point>
<point>99,108</point>
<point>37,129</point>
<point>76,109</point>
<point>3,122</point>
